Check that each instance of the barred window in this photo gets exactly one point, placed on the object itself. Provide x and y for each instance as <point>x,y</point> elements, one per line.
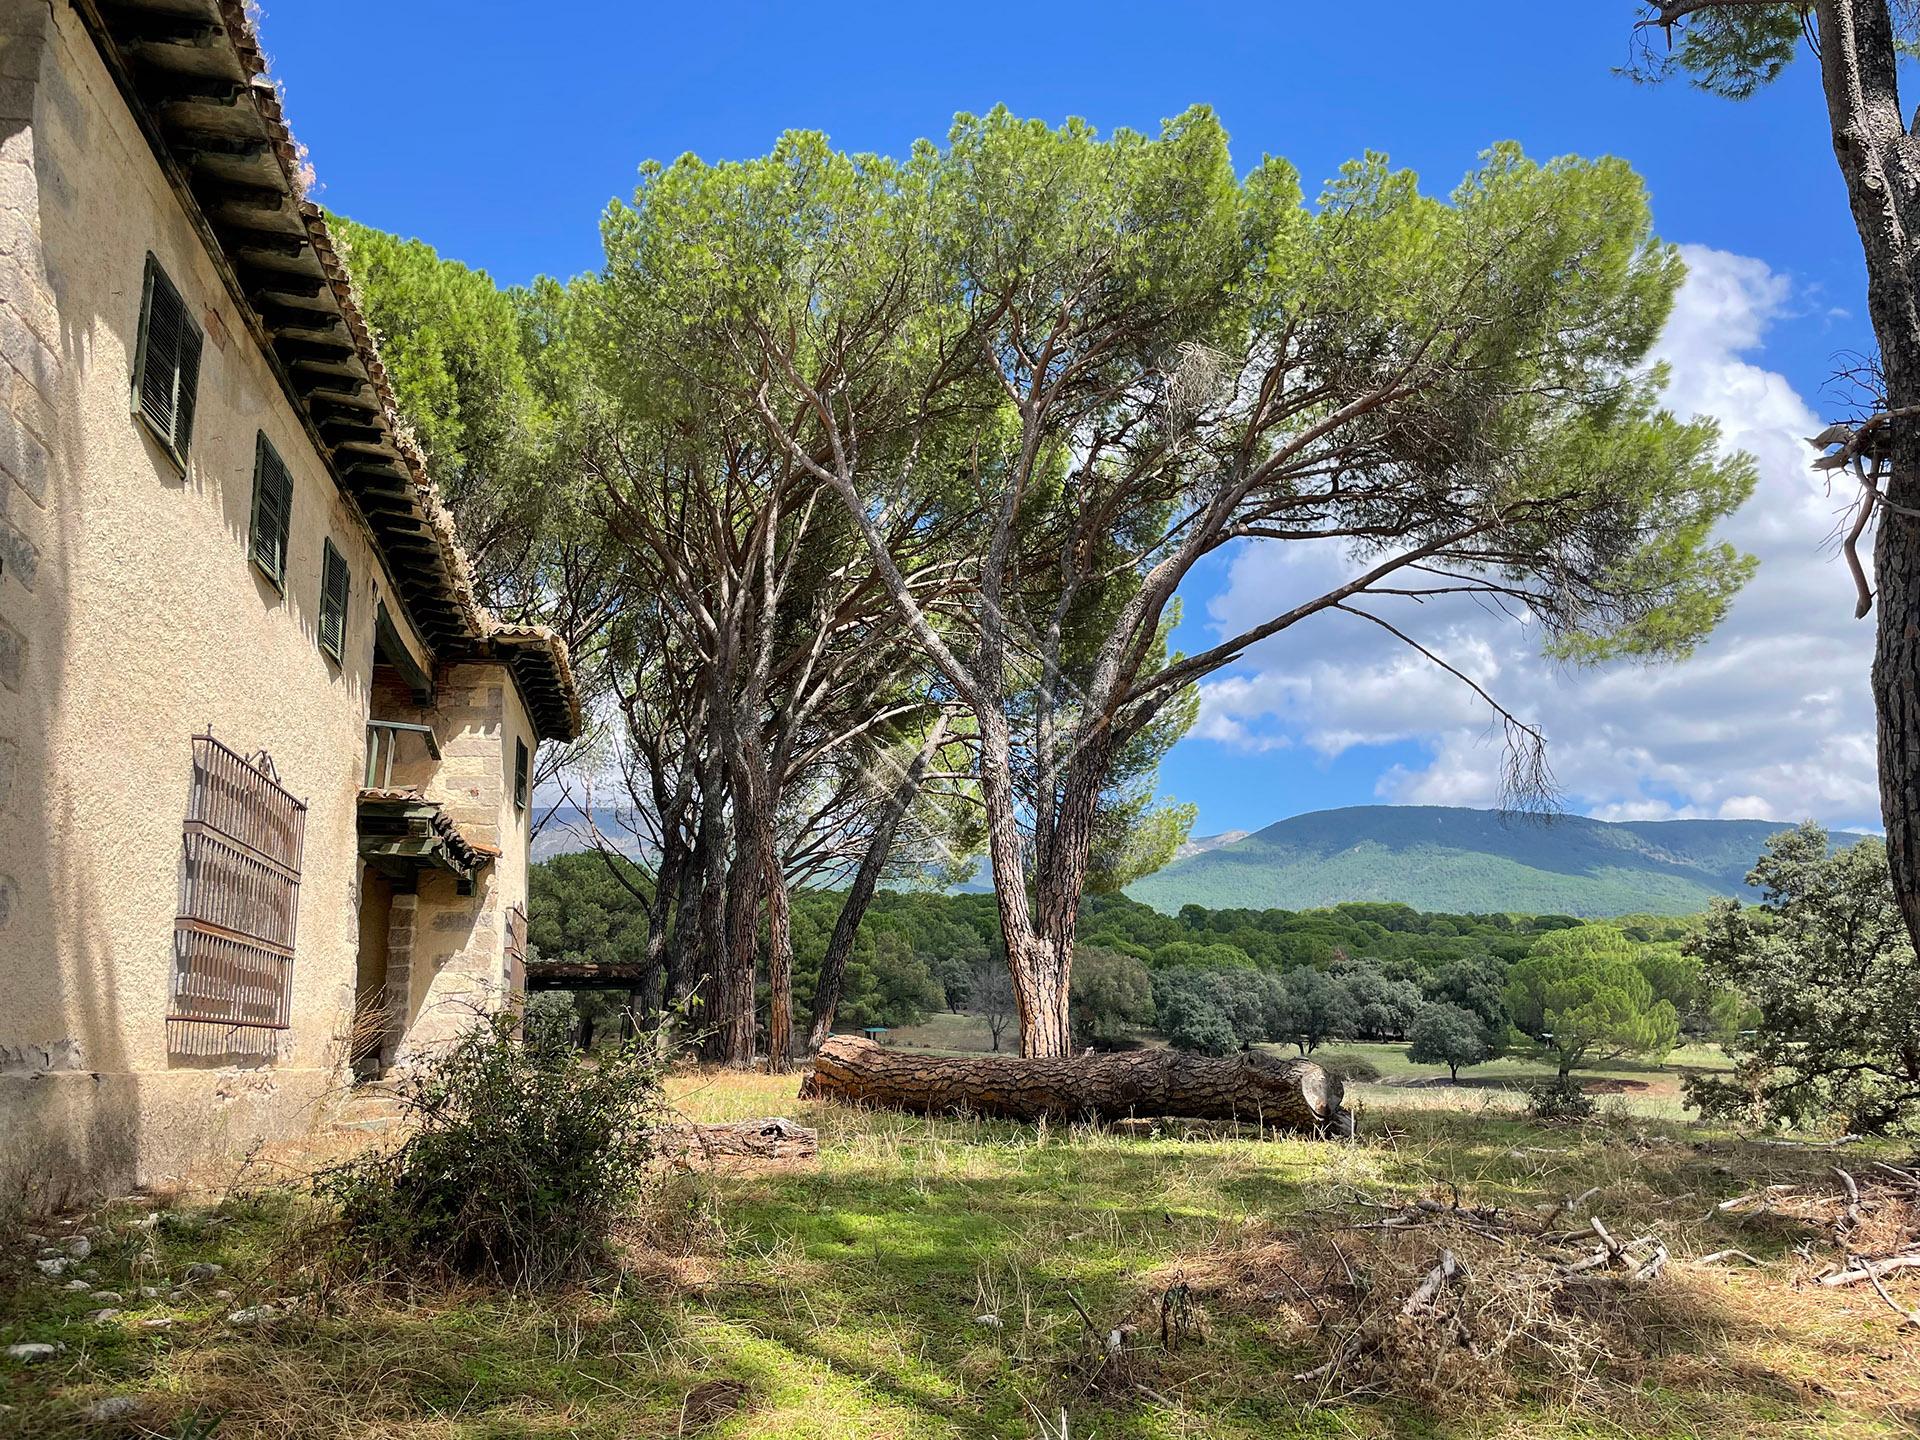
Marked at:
<point>335,581</point>
<point>239,893</point>
<point>166,366</point>
<point>272,510</point>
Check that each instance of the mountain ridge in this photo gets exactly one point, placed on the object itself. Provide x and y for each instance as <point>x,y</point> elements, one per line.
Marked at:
<point>1454,859</point>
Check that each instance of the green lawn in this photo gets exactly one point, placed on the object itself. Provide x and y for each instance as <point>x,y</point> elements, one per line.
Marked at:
<point>843,1299</point>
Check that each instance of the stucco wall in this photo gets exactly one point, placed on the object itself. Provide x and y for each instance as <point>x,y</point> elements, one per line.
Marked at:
<point>130,619</point>
<point>454,964</point>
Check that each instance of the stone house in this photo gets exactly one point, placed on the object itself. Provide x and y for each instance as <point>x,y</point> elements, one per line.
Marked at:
<point>265,762</point>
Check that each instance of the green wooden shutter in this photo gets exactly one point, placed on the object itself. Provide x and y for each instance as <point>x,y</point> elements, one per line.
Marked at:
<point>167,367</point>
<point>520,774</point>
<point>335,581</point>
<point>272,510</point>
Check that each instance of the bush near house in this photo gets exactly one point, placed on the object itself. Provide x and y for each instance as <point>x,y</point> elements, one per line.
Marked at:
<point>523,1156</point>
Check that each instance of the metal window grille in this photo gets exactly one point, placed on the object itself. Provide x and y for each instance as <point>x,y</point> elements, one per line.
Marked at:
<point>239,892</point>
<point>517,948</point>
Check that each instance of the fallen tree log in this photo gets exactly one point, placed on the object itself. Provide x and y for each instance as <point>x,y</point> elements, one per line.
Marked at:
<point>774,1138</point>
<point>1287,1094</point>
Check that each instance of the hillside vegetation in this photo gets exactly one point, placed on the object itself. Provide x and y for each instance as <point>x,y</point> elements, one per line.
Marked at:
<point>1444,859</point>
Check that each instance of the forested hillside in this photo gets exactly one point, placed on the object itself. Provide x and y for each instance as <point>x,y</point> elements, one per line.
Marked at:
<point>1445,859</point>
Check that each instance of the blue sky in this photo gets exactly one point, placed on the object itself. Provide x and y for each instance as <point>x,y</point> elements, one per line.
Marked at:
<point>498,133</point>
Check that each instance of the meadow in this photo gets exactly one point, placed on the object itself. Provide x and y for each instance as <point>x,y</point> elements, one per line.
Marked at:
<point>945,1277</point>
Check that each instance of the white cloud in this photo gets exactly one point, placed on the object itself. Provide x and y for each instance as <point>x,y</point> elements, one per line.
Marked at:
<point>1771,718</point>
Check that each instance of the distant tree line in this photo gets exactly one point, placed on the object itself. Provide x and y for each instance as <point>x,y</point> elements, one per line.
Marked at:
<point>1455,986</point>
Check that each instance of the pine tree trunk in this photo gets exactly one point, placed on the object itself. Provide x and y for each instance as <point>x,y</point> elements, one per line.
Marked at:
<point>734,1000</point>
<point>779,966</point>
<point>1292,1095</point>
<point>873,865</point>
<point>680,960</point>
<point>1880,162</point>
<point>651,993</point>
<point>714,950</point>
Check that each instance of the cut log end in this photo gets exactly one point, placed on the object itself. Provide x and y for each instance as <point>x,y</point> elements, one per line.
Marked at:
<point>1286,1094</point>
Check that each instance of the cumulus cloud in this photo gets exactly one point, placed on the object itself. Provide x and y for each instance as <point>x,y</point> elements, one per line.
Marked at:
<point>1770,719</point>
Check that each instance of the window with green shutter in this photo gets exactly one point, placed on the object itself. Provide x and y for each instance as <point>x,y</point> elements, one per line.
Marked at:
<point>272,511</point>
<point>335,582</point>
<point>519,774</point>
<point>166,365</point>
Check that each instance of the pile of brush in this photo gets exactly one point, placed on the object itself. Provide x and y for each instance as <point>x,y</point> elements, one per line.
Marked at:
<point>1873,1218</point>
<point>1439,1300</point>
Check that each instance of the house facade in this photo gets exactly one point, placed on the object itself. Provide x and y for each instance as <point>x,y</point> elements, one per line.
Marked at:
<point>265,763</point>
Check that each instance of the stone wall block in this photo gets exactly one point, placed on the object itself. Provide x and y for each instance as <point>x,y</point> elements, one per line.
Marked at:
<point>13,656</point>
<point>26,351</point>
<point>23,457</point>
<point>19,556</point>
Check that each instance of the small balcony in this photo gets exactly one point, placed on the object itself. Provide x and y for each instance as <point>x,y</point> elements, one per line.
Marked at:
<point>384,741</point>
<point>401,831</point>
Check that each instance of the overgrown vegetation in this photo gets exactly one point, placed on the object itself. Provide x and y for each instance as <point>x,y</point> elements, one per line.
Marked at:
<point>1825,962</point>
<point>520,1158</point>
<point>852,1299</point>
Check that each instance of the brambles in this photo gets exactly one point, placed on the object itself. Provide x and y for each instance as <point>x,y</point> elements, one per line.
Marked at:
<point>521,1157</point>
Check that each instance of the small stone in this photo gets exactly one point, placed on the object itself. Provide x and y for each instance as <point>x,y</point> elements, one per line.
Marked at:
<point>108,1297</point>
<point>252,1315</point>
<point>51,1267</point>
<point>158,1322</point>
<point>113,1407</point>
<point>31,1353</point>
<point>201,1270</point>
<point>223,1294</point>
<point>33,1239</point>
<point>101,1317</point>
<point>150,1292</point>
<point>991,1322</point>
<point>76,1285</point>
<point>89,1274</point>
<point>177,1297</point>
<point>80,1247</point>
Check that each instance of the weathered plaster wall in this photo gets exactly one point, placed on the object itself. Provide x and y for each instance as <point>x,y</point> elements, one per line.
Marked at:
<point>452,966</point>
<point>131,618</point>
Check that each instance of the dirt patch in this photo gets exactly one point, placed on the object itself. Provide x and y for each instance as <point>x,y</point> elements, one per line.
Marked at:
<point>1612,1086</point>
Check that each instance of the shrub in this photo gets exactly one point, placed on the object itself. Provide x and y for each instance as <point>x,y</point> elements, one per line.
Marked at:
<point>522,1156</point>
<point>1349,1068</point>
<point>1559,1099</point>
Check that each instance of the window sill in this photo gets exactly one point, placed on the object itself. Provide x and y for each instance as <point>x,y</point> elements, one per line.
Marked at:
<point>174,457</point>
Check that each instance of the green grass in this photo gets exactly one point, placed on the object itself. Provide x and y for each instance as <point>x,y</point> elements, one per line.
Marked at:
<point>840,1299</point>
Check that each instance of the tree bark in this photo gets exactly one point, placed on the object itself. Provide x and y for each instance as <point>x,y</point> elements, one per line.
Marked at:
<point>715,952</point>
<point>774,1138</point>
<point>1880,162</point>
<point>680,961</point>
<point>873,865</point>
<point>1288,1094</point>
